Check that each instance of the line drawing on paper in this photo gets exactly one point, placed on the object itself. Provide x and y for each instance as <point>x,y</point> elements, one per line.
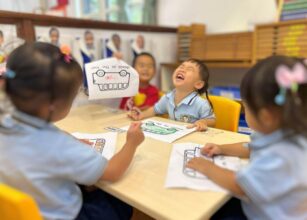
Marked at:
<point>188,155</point>
<point>111,80</point>
<point>97,143</point>
<point>157,128</point>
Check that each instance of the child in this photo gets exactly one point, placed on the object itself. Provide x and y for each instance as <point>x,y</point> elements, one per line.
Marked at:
<point>43,161</point>
<point>274,184</point>
<point>145,65</point>
<point>184,103</point>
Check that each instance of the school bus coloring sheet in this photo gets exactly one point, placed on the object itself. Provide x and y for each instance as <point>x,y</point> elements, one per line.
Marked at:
<point>163,131</point>
<point>103,143</point>
<point>179,176</point>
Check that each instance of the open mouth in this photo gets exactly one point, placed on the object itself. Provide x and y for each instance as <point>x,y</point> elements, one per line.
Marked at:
<point>180,76</point>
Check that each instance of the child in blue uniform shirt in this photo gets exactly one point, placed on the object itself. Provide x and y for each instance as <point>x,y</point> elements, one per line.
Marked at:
<point>184,103</point>
<point>43,161</point>
<point>274,184</point>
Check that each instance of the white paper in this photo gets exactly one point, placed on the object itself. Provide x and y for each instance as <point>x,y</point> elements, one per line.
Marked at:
<point>163,131</point>
<point>103,143</point>
<point>179,176</point>
<point>111,78</point>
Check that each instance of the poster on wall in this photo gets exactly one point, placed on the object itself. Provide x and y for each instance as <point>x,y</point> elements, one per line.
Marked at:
<point>8,41</point>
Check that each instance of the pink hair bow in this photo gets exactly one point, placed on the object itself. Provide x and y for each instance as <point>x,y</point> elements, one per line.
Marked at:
<point>290,79</point>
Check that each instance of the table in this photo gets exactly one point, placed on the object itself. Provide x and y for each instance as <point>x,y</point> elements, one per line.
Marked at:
<point>142,186</point>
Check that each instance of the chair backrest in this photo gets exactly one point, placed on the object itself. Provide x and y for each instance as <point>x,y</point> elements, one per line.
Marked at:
<point>227,113</point>
<point>17,205</point>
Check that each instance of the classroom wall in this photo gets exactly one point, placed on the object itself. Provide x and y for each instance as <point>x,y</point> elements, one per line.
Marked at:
<point>220,16</point>
<point>161,45</point>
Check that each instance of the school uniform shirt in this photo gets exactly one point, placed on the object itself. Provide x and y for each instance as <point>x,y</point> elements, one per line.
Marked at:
<point>46,163</point>
<point>275,181</point>
<point>190,109</point>
<point>152,96</point>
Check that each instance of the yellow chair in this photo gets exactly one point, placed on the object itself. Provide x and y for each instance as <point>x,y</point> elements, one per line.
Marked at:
<point>227,113</point>
<point>16,205</point>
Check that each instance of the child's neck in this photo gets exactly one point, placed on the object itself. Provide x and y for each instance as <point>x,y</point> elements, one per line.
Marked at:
<point>144,84</point>
<point>180,95</point>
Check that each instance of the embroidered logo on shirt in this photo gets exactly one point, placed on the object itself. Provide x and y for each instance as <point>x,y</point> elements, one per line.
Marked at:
<point>187,118</point>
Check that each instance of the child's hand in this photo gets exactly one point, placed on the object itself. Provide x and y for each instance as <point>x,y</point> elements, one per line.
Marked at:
<point>86,141</point>
<point>211,149</point>
<point>200,125</point>
<point>118,55</point>
<point>135,135</point>
<point>135,114</point>
<point>198,164</point>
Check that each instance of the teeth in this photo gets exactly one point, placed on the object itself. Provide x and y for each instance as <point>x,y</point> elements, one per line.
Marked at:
<point>113,86</point>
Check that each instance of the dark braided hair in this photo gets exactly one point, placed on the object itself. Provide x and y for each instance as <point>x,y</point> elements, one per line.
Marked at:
<point>42,73</point>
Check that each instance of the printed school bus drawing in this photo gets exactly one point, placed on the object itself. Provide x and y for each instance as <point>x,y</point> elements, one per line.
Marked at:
<point>111,80</point>
<point>98,144</point>
<point>188,155</point>
<point>155,128</point>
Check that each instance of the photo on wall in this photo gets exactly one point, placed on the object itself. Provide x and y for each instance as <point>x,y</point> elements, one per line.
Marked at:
<point>8,41</point>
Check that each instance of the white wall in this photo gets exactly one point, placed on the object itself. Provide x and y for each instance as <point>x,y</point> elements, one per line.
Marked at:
<point>220,16</point>
<point>162,46</point>
<point>19,5</point>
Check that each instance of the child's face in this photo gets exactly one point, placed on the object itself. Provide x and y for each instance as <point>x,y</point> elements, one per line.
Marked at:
<point>145,66</point>
<point>266,121</point>
<point>63,106</point>
<point>187,78</point>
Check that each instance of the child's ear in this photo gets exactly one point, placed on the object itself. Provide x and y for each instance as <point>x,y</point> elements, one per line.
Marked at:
<point>270,118</point>
<point>199,85</point>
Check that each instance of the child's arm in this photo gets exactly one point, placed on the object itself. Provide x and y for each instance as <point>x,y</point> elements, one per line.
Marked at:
<point>137,114</point>
<point>223,177</point>
<point>235,149</point>
<point>120,161</point>
<point>202,124</point>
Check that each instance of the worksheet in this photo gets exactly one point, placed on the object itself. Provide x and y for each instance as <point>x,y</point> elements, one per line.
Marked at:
<point>179,176</point>
<point>111,78</point>
<point>103,143</point>
<point>163,131</point>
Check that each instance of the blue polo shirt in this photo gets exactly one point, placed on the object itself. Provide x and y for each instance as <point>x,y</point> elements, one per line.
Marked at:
<point>275,181</point>
<point>190,109</point>
<point>46,163</point>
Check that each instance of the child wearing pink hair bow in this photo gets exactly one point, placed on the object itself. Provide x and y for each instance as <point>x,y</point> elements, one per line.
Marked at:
<point>274,184</point>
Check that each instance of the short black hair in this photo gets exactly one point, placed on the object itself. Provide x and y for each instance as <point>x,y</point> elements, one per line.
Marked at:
<point>143,54</point>
<point>41,71</point>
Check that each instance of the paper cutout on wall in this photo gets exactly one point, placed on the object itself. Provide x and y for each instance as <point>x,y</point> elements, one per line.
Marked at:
<point>111,78</point>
